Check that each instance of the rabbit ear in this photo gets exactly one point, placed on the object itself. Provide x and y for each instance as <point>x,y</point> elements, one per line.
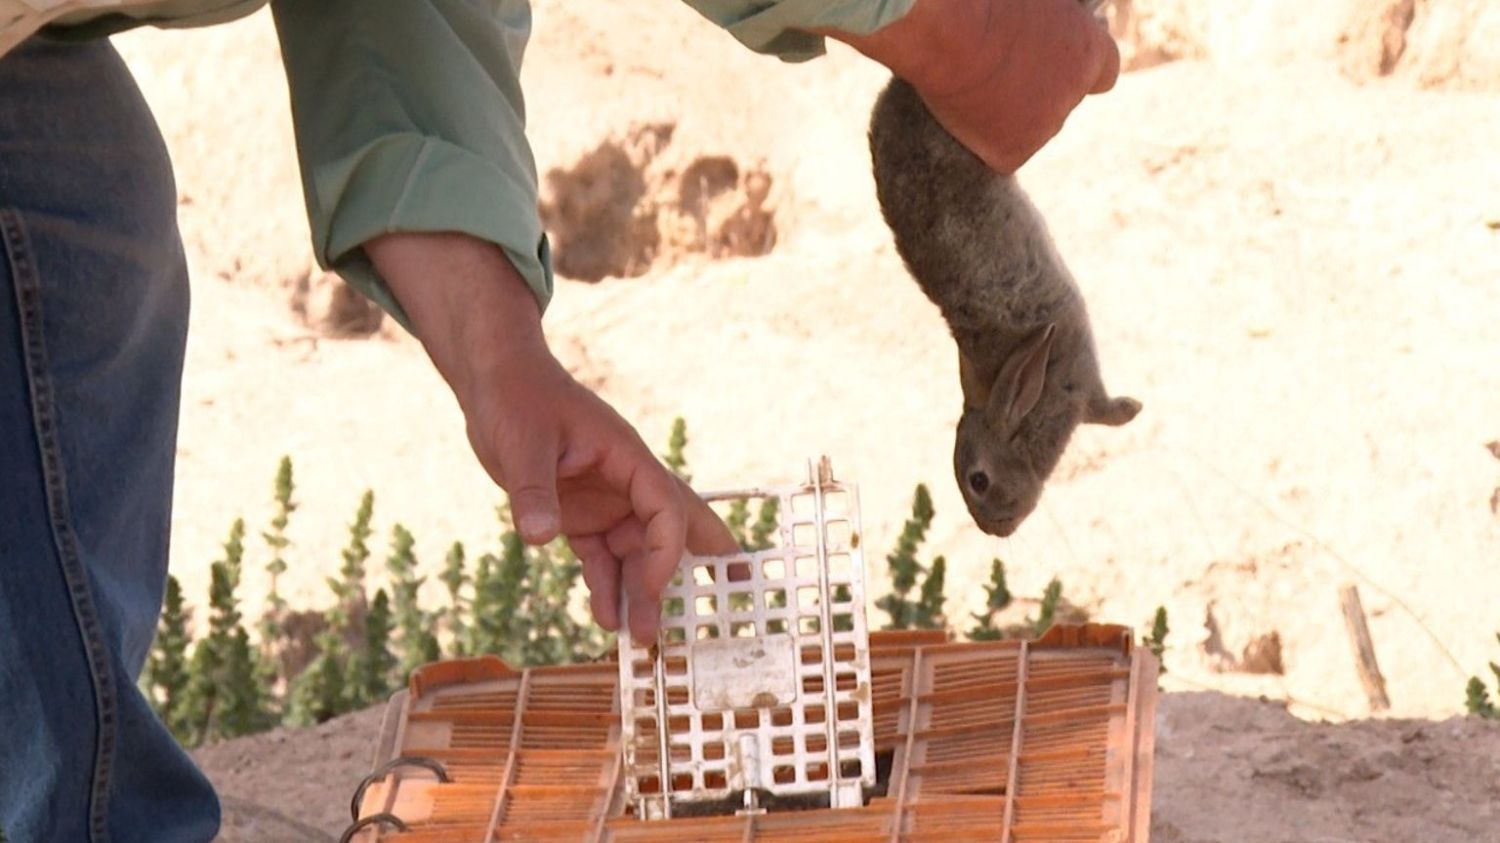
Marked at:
<point>974,381</point>
<point>1022,376</point>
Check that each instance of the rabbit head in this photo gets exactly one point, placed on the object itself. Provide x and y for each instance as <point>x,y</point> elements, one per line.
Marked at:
<point>1016,422</point>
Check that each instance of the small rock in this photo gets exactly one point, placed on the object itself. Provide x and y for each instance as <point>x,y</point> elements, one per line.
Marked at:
<point>333,308</point>
<point>1263,655</point>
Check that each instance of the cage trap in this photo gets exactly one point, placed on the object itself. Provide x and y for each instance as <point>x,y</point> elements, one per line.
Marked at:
<point>835,734</point>
<point>757,689</point>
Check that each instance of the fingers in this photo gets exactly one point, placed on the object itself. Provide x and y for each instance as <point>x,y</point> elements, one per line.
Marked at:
<point>649,541</point>
<point>601,573</point>
<point>618,559</point>
<point>664,539</point>
<point>628,542</point>
<point>668,519</point>
<point>657,503</point>
<point>708,536</point>
<point>530,470</point>
<point>628,520</point>
<point>1109,68</point>
<point>706,533</point>
<point>590,506</point>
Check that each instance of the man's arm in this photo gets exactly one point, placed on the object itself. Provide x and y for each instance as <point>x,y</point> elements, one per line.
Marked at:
<point>421,191</point>
<point>409,117</point>
<point>571,465</point>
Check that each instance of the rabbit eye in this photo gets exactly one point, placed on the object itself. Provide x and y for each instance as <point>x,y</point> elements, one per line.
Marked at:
<point>979,482</point>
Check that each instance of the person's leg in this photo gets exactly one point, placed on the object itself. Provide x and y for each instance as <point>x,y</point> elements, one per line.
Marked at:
<point>93,321</point>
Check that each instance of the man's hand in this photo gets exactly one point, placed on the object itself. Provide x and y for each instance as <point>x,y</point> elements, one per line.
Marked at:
<point>570,464</point>
<point>1000,75</point>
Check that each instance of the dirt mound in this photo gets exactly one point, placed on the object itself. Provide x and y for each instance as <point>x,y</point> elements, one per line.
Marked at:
<point>634,203</point>
<point>1230,769</point>
<point>246,821</point>
<point>1227,769</point>
<point>1435,43</point>
<point>276,784</point>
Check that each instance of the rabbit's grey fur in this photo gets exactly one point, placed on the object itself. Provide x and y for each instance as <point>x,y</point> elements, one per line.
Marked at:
<point>980,251</point>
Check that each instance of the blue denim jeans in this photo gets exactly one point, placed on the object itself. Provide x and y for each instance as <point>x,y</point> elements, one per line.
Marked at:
<point>93,320</point>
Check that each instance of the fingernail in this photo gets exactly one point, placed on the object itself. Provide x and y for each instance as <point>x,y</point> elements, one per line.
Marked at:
<point>534,524</point>
<point>643,633</point>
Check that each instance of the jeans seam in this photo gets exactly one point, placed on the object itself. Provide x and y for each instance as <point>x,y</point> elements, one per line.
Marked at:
<point>44,420</point>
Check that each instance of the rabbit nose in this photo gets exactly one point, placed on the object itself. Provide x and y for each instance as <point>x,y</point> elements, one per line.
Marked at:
<point>998,527</point>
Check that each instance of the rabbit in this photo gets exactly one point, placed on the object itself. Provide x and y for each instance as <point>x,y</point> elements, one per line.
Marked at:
<point>980,251</point>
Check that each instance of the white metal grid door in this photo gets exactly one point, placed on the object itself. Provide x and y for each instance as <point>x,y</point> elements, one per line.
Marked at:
<point>759,680</point>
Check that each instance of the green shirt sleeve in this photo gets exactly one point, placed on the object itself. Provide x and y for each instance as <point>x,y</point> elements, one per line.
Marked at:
<point>779,27</point>
<point>409,117</point>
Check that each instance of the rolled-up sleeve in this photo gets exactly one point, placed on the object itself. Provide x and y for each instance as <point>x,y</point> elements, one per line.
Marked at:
<point>409,117</point>
<point>782,27</point>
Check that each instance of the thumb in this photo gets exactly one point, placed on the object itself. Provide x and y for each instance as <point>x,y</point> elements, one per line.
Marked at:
<point>1109,61</point>
<point>531,475</point>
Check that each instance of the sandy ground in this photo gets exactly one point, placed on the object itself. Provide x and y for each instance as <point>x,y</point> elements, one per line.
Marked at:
<point>1228,770</point>
<point>1297,274</point>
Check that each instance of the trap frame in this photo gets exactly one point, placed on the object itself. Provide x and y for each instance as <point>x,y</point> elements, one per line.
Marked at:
<point>1015,741</point>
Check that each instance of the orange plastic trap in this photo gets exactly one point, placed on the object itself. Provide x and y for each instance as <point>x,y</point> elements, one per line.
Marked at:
<point>825,733</point>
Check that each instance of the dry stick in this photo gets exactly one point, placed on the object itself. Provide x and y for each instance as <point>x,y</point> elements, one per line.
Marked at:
<point>1364,649</point>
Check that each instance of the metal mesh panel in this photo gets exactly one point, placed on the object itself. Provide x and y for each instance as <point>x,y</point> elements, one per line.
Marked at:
<point>759,680</point>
